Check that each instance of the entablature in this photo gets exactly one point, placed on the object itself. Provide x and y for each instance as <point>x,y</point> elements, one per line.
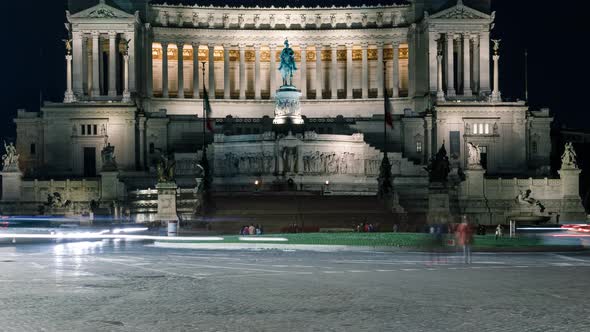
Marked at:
<point>280,18</point>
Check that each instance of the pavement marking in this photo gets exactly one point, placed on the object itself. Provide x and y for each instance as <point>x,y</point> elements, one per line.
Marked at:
<point>561,264</point>
<point>230,268</point>
<point>386,270</point>
<point>409,269</point>
<point>567,258</point>
<point>147,268</point>
<point>358,271</point>
<point>331,272</point>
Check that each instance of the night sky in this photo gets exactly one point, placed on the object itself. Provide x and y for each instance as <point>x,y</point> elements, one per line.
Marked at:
<point>554,33</point>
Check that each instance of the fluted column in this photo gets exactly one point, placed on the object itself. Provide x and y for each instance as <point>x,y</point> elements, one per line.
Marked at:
<point>303,72</point>
<point>211,71</point>
<point>69,95</point>
<point>242,71</point>
<point>226,85</point>
<point>365,71</point>
<point>273,70</point>
<point>149,84</point>
<point>395,76</point>
<point>475,58</point>
<point>334,72</point>
<point>440,95</point>
<point>496,96</point>
<point>126,92</point>
<point>180,75</point>
<point>165,93</point>
<point>141,126</point>
<point>95,64</point>
<point>467,91</point>
<point>450,66</point>
<point>349,71</point>
<point>257,71</point>
<point>196,73</point>
<point>380,70</point>
<point>112,64</point>
<point>78,71</point>
<point>484,62</point>
<point>318,71</point>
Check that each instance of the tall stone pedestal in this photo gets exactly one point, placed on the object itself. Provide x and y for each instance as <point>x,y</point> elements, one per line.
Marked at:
<point>571,205</point>
<point>474,182</point>
<point>11,186</point>
<point>109,185</point>
<point>167,205</point>
<point>287,105</point>
<point>439,211</point>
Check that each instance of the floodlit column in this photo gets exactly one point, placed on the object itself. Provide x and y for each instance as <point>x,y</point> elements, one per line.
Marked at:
<point>334,72</point>
<point>349,71</point>
<point>95,64</point>
<point>78,54</point>
<point>196,73</point>
<point>395,78</point>
<point>496,97</point>
<point>484,62</point>
<point>211,71</point>
<point>475,60</point>
<point>126,93</point>
<point>242,71</point>
<point>365,69</point>
<point>89,66</point>
<point>450,66</point>
<point>141,127</point>
<point>226,86</point>
<point>180,74</point>
<point>164,69</point>
<point>149,85</point>
<point>112,64</point>
<point>440,95</point>
<point>303,72</point>
<point>130,36</point>
<point>318,71</point>
<point>466,66</point>
<point>273,70</point>
<point>69,95</point>
<point>256,71</point>
<point>380,70</point>
<point>432,62</point>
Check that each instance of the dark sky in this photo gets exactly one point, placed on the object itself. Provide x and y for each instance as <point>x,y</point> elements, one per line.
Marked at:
<point>555,35</point>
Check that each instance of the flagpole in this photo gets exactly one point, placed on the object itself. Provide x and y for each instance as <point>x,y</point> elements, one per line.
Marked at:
<point>204,109</point>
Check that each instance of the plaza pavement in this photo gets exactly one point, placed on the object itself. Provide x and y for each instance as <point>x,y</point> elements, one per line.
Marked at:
<point>114,285</point>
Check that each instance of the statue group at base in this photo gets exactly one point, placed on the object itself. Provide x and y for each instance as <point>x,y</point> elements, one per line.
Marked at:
<point>10,158</point>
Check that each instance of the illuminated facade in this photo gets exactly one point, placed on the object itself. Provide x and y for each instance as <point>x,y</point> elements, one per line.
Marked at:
<point>433,60</point>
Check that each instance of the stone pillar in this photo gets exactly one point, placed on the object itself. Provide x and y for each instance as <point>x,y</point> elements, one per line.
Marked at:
<point>78,54</point>
<point>165,93</point>
<point>257,71</point>
<point>89,66</point>
<point>450,66</point>
<point>226,85</point>
<point>130,36</point>
<point>211,71</point>
<point>167,202</point>
<point>440,94</point>
<point>149,76</point>
<point>273,70</point>
<point>466,66</point>
<point>242,71</point>
<point>142,146</point>
<point>126,93</point>
<point>432,62</point>
<point>496,95</point>
<point>180,75</point>
<point>95,64</point>
<point>109,185</point>
<point>395,78</point>
<point>318,71</point>
<point>365,71</point>
<point>475,58</point>
<point>459,59</point>
<point>69,95</point>
<point>484,62</point>
<point>334,72</point>
<point>412,54</point>
<point>380,76</point>
<point>303,71</point>
<point>196,72</point>
<point>428,143</point>
<point>349,71</point>
<point>112,64</point>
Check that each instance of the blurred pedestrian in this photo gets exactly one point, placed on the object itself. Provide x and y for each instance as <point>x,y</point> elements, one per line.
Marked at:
<point>499,231</point>
<point>465,239</point>
<point>395,228</point>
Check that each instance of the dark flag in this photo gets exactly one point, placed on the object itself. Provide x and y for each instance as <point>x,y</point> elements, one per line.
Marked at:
<point>207,107</point>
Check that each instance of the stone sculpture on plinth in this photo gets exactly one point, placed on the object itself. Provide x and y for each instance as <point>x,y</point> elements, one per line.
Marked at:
<point>11,174</point>
<point>474,156</point>
<point>167,188</point>
<point>287,105</point>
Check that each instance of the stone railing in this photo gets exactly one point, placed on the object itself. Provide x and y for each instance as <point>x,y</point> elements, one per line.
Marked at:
<point>72,190</point>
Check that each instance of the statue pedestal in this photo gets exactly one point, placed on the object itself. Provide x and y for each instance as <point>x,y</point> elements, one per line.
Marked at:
<point>474,178</point>
<point>167,202</point>
<point>439,210</point>
<point>109,185</point>
<point>571,208</point>
<point>287,105</point>
<point>11,186</point>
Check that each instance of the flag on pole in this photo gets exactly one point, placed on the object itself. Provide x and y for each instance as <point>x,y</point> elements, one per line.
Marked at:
<point>207,107</point>
<point>388,109</point>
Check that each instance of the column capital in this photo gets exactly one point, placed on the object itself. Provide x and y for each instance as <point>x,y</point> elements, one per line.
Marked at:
<point>303,46</point>
<point>164,44</point>
<point>272,46</point>
<point>180,44</point>
<point>242,47</point>
<point>449,36</point>
<point>364,45</point>
<point>77,35</point>
<point>210,45</point>
<point>112,34</point>
<point>334,45</point>
<point>95,34</point>
<point>256,46</point>
<point>319,46</point>
<point>395,43</point>
<point>379,44</point>
<point>349,45</point>
<point>195,44</point>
